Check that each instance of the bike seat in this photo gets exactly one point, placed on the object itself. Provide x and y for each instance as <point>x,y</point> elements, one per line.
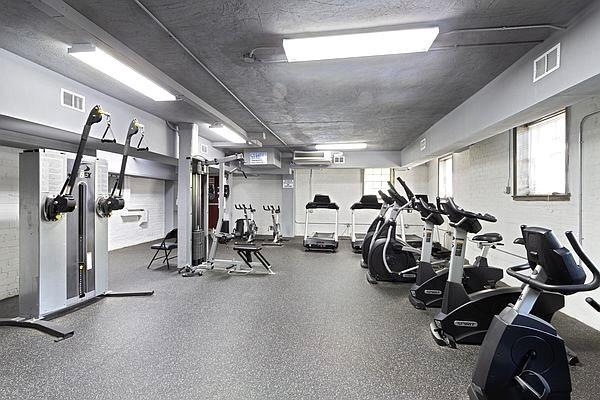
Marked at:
<point>488,238</point>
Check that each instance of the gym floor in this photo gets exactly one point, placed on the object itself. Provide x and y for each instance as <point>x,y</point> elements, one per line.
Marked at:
<point>315,330</point>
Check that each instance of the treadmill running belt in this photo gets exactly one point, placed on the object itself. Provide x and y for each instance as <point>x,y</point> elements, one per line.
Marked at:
<point>323,235</point>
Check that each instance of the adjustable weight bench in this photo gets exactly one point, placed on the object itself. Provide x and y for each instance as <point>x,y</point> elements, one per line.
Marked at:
<point>246,253</point>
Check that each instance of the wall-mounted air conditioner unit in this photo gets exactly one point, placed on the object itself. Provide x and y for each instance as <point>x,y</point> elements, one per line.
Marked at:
<point>312,158</point>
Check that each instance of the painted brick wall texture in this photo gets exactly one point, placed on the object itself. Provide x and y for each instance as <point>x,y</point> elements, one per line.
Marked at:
<point>482,172</point>
<point>9,222</point>
<point>123,231</point>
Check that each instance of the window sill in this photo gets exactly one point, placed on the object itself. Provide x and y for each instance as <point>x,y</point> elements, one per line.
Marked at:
<point>541,197</point>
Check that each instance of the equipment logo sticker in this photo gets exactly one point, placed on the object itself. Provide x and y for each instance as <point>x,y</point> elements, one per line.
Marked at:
<point>466,324</point>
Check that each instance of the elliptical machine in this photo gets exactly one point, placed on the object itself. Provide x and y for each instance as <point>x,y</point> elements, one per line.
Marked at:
<point>388,202</point>
<point>391,259</point>
<point>465,318</point>
<point>275,225</point>
<point>522,356</point>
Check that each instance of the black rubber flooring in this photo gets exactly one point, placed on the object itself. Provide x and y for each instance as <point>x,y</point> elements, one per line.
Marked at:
<point>315,330</point>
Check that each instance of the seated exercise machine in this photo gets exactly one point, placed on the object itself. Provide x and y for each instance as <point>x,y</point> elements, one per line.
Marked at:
<point>387,203</point>
<point>63,245</point>
<point>390,259</point>
<point>245,228</point>
<point>366,202</point>
<point>203,238</point>
<point>428,290</point>
<point>321,240</point>
<point>523,357</point>
<point>275,225</point>
<point>465,318</point>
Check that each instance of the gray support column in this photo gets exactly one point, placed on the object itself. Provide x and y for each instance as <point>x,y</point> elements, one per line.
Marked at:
<point>188,146</point>
<point>287,208</point>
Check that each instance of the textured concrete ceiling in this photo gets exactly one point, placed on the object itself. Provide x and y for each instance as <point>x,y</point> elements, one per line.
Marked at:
<point>385,101</point>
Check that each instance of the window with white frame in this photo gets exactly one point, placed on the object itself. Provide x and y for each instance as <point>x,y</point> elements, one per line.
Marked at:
<point>445,176</point>
<point>540,157</point>
<point>376,179</point>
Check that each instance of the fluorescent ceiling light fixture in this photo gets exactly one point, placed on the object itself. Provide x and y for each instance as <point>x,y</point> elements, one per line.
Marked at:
<point>342,146</point>
<point>360,44</point>
<point>227,133</point>
<point>114,68</point>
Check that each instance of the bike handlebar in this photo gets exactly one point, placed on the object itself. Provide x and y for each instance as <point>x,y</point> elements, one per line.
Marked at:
<point>449,201</point>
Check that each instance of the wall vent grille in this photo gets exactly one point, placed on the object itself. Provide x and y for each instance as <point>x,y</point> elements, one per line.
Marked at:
<point>546,63</point>
<point>203,148</point>
<point>72,100</point>
<point>339,158</point>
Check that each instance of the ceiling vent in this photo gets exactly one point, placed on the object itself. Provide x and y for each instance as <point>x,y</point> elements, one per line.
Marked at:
<point>72,100</point>
<point>546,63</point>
<point>339,158</point>
<point>312,158</point>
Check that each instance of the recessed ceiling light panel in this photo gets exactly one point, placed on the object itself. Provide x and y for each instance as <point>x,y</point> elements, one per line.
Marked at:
<point>360,44</point>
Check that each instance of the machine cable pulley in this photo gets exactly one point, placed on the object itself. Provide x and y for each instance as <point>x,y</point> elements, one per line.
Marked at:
<point>106,205</point>
<point>64,202</point>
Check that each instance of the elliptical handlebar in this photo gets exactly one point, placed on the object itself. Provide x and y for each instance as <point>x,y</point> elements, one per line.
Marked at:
<point>396,196</point>
<point>409,192</point>
<point>563,289</point>
<point>386,199</point>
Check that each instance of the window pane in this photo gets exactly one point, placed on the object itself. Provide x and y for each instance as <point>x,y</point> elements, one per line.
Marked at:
<point>376,179</point>
<point>445,177</point>
<point>541,157</point>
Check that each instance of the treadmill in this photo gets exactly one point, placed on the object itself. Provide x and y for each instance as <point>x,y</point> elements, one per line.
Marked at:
<point>366,202</point>
<point>321,240</point>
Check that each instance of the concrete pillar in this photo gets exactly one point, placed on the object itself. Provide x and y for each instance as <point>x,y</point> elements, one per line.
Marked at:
<point>287,208</point>
<point>188,146</point>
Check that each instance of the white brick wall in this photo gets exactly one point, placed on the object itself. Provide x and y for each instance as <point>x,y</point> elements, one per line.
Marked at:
<point>256,190</point>
<point>139,193</point>
<point>482,172</point>
<point>344,187</point>
<point>147,194</point>
<point>9,222</point>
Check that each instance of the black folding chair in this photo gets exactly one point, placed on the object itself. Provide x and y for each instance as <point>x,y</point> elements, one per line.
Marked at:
<point>168,244</point>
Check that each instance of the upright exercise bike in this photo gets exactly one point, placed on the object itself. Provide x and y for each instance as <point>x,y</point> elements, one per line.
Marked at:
<point>428,290</point>
<point>465,318</point>
<point>245,228</point>
<point>275,225</point>
<point>522,356</point>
